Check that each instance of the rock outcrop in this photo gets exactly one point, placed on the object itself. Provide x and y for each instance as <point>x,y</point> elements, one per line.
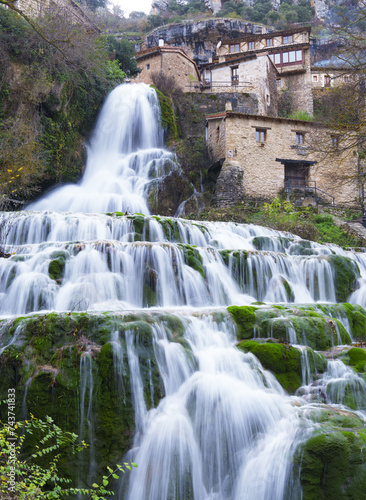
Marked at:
<point>200,39</point>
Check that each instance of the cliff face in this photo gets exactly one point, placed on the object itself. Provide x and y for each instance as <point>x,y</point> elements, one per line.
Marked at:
<point>199,39</point>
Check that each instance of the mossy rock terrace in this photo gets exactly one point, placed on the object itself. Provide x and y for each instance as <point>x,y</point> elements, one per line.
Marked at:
<point>211,397</point>
<point>345,272</point>
<point>285,361</point>
<point>317,326</point>
<point>333,459</point>
<point>44,364</point>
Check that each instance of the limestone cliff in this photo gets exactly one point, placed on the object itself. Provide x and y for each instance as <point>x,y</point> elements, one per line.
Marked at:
<point>199,39</point>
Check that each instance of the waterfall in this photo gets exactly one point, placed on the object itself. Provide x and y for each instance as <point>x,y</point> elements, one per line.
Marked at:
<point>210,421</point>
<point>125,156</point>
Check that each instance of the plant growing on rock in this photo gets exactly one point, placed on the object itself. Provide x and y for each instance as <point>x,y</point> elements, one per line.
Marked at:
<point>34,474</point>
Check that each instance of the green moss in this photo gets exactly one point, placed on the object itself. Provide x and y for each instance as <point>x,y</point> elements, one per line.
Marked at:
<point>263,243</point>
<point>192,258</point>
<point>357,319</point>
<point>357,358</point>
<point>290,381</point>
<point>168,118</point>
<point>56,269</point>
<point>282,360</point>
<point>333,465</point>
<point>114,413</point>
<point>244,317</point>
<point>139,226</point>
<point>345,273</point>
<point>289,292</point>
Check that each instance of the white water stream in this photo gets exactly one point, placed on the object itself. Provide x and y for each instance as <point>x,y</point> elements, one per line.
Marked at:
<point>226,430</point>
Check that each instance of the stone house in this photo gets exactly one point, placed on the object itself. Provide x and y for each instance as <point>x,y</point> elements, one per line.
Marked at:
<point>199,39</point>
<point>259,156</point>
<point>327,77</point>
<point>290,54</point>
<point>250,74</point>
<point>171,61</point>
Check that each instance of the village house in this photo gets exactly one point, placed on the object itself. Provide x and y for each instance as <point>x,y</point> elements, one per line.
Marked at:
<point>253,74</point>
<point>260,156</point>
<point>266,65</point>
<point>171,61</point>
<point>289,52</point>
<point>327,77</point>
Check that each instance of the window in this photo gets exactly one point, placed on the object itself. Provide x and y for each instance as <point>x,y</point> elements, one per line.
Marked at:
<point>326,81</point>
<point>147,67</point>
<point>251,45</point>
<point>279,83</point>
<point>269,42</point>
<point>260,134</point>
<point>334,141</point>
<point>288,39</point>
<point>234,47</point>
<point>288,57</point>
<point>234,76</point>
<point>346,78</point>
<point>206,76</point>
<point>300,138</point>
<point>315,78</point>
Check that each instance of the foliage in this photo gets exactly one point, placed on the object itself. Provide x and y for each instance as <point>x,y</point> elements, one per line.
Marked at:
<point>285,102</point>
<point>93,4</point>
<point>301,115</point>
<point>278,206</point>
<point>21,162</point>
<point>341,107</point>
<point>262,11</point>
<point>114,71</point>
<point>124,52</point>
<point>189,7</point>
<point>284,216</point>
<point>137,15</point>
<point>36,471</point>
<point>51,87</point>
<point>154,21</point>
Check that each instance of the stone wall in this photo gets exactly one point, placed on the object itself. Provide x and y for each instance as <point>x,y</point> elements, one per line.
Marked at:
<point>171,63</point>
<point>255,76</point>
<point>217,138</point>
<point>230,184</point>
<point>336,76</point>
<point>335,174</point>
<point>297,89</point>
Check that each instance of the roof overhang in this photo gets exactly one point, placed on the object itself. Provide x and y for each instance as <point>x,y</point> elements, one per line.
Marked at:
<point>294,162</point>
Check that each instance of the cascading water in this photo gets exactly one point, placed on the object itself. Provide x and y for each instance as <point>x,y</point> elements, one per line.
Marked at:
<point>125,156</point>
<point>224,428</point>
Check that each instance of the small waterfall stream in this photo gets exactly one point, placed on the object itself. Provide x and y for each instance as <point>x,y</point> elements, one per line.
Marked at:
<point>225,428</point>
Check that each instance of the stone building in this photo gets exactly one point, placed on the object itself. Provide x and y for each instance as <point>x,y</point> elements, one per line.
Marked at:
<point>250,74</point>
<point>327,77</point>
<point>260,156</point>
<point>289,52</point>
<point>171,61</point>
<point>199,39</point>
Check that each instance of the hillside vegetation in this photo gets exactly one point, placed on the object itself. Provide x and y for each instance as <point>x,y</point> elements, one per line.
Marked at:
<point>52,85</point>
